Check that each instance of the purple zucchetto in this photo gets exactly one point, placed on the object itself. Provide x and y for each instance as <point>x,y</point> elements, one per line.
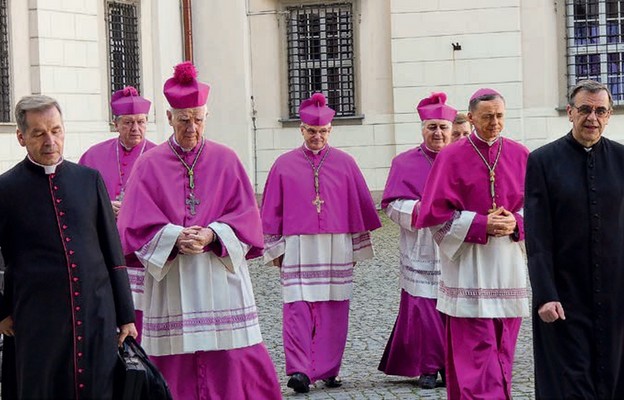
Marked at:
<point>484,92</point>
<point>128,102</point>
<point>183,90</point>
<point>435,107</point>
<point>314,111</point>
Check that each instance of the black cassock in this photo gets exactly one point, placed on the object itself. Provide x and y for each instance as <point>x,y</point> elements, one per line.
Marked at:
<point>574,221</point>
<point>66,286</point>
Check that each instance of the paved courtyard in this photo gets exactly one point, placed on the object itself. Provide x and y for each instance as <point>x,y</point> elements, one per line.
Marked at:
<point>373,309</point>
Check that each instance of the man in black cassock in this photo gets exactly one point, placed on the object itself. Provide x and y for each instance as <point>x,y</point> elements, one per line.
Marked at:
<point>66,286</point>
<point>574,220</point>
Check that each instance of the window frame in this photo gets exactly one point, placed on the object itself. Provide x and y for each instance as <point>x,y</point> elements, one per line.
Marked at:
<point>600,48</point>
<point>5,64</point>
<point>136,74</point>
<point>296,61</point>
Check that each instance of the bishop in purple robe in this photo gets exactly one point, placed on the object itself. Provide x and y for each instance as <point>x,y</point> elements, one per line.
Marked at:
<point>317,214</point>
<point>191,218</point>
<point>416,345</point>
<point>475,215</point>
<point>114,159</point>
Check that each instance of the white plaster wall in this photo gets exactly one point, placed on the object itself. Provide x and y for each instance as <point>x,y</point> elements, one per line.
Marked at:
<point>59,48</point>
<point>403,48</point>
<point>423,59</point>
<point>221,43</point>
<point>371,140</point>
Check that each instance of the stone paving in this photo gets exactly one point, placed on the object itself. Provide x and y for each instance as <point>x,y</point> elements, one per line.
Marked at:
<point>373,310</point>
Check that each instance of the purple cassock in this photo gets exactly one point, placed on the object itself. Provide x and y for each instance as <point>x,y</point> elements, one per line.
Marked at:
<point>114,162</point>
<point>416,345</point>
<point>287,205</point>
<point>320,242</point>
<point>462,183</point>
<point>210,346</point>
<point>160,191</point>
<point>483,283</point>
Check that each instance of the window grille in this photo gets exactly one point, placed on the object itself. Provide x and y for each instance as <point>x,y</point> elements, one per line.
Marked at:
<point>595,43</point>
<point>5,87</point>
<point>123,45</point>
<point>320,56</point>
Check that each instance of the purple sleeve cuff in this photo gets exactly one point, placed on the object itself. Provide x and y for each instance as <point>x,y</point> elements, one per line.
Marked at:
<point>173,254</point>
<point>478,230</point>
<point>217,247</point>
<point>518,234</point>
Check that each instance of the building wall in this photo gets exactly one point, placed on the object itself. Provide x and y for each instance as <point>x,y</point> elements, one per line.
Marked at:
<point>370,140</point>
<point>59,48</point>
<point>403,52</point>
<point>423,58</point>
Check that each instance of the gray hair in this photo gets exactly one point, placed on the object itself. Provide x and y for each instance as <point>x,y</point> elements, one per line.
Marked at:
<point>591,87</point>
<point>472,106</point>
<point>460,118</point>
<point>35,103</point>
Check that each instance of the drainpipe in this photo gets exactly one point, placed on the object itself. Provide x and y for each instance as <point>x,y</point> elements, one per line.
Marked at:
<point>187,26</point>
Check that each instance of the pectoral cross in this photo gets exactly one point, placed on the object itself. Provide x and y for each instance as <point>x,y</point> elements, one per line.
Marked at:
<point>318,202</point>
<point>492,191</point>
<point>192,201</point>
<point>120,196</point>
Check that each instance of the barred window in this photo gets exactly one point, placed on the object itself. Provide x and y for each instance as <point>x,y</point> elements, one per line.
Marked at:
<point>595,43</point>
<point>123,45</point>
<point>320,56</point>
<point>5,87</point>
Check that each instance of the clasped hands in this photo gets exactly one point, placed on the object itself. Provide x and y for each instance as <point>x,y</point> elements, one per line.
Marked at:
<point>501,222</point>
<point>192,240</point>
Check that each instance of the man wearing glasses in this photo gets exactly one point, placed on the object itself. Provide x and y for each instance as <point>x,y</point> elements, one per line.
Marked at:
<point>114,159</point>
<point>317,214</point>
<point>575,245</point>
<point>416,345</point>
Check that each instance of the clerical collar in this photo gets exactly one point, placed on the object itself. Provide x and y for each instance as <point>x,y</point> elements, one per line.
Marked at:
<point>124,145</point>
<point>488,142</point>
<point>315,152</point>
<point>429,150</point>
<point>49,169</point>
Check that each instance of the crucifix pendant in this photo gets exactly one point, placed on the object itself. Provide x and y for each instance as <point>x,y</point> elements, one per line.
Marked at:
<point>318,202</point>
<point>120,196</point>
<point>192,201</point>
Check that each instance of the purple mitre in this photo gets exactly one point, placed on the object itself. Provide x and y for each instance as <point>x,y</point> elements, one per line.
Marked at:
<point>435,107</point>
<point>183,90</point>
<point>128,102</point>
<point>314,111</point>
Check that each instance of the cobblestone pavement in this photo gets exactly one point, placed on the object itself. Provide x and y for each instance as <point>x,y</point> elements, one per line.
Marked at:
<point>373,310</point>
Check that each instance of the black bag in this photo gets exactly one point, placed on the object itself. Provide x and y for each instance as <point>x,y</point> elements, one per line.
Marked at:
<point>136,377</point>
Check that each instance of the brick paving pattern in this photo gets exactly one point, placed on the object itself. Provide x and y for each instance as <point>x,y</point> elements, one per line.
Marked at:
<point>374,307</point>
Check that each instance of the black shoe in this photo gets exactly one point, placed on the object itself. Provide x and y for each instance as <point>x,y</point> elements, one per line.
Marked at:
<point>332,382</point>
<point>299,382</point>
<point>427,381</point>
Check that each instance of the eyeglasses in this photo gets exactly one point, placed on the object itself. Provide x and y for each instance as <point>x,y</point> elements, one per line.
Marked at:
<point>586,110</point>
